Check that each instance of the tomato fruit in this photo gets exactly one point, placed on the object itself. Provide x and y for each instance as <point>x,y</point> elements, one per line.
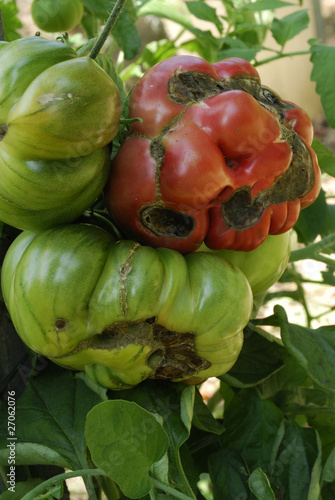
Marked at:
<point>57,15</point>
<point>121,311</point>
<point>58,113</point>
<point>262,266</point>
<point>217,157</point>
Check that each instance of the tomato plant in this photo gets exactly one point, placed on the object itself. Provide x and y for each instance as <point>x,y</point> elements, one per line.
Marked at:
<point>107,337</point>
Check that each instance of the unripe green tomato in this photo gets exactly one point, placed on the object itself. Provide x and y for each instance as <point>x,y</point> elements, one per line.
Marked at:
<point>58,115</point>
<point>121,311</point>
<point>57,15</point>
<point>263,266</point>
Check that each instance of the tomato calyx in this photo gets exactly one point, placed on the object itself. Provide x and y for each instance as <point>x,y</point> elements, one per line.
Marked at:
<point>172,356</point>
<point>164,221</point>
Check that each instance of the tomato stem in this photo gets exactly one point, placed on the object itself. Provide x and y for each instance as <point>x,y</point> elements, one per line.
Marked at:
<point>280,55</point>
<point>60,477</point>
<point>313,251</point>
<point>113,16</point>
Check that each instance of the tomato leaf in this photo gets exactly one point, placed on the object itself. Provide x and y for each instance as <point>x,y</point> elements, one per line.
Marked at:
<point>328,473</point>
<point>267,5</point>
<point>314,350</point>
<point>121,437</point>
<point>260,357</point>
<point>50,421</point>
<point>297,469</point>
<point>233,47</point>
<point>203,418</point>
<point>21,488</point>
<point>10,20</point>
<point>125,32</point>
<point>308,225</point>
<point>173,10</point>
<point>99,7</point>
<point>260,486</point>
<point>203,11</point>
<point>229,474</point>
<point>289,26</point>
<point>326,157</point>
<point>254,428</point>
<point>106,63</point>
<point>172,404</point>
<point>323,73</point>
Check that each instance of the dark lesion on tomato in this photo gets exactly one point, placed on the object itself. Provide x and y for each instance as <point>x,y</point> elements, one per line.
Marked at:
<point>166,222</point>
<point>192,86</point>
<point>180,358</point>
<point>172,355</point>
<point>242,211</point>
<point>61,324</point>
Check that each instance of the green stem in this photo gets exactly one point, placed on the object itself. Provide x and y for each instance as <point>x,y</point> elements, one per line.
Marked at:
<point>60,477</point>
<point>118,6</point>
<point>280,56</point>
<point>312,251</point>
<point>169,490</point>
<point>2,29</point>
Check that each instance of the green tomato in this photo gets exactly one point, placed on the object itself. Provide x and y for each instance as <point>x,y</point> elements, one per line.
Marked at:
<point>124,312</point>
<point>58,113</point>
<point>263,266</point>
<point>57,15</point>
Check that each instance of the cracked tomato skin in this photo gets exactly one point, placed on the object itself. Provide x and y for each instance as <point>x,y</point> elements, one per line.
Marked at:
<point>216,158</point>
<point>58,113</point>
<point>262,266</point>
<point>130,313</point>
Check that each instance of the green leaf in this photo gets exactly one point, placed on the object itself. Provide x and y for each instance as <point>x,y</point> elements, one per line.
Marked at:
<point>267,5</point>
<point>253,427</point>
<point>314,350</point>
<point>297,470</point>
<point>173,10</point>
<point>125,33</point>
<point>325,156</point>
<point>100,8</point>
<point>233,47</point>
<point>323,73</point>
<point>260,486</point>
<point>260,357</point>
<point>203,11</point>
<point>328,472</point>
<point>229,475</point>
<point>172,404</point>
<point>203,418</point>
<point>308,225</point>
<point>204,44</point>
<point>21,488</point>
<point>324,423</point>
<point>50,421</point>
<point>123,437</point>
<point>289,26</point>
<point>10,20</point>
<point>106,63</point>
